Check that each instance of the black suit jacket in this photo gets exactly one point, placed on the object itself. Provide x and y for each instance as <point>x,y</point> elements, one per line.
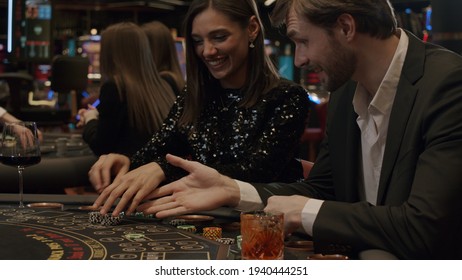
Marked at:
<point>419,208</point>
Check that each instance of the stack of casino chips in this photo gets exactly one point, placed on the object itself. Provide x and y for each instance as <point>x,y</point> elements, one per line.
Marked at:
<point>188,228</point>
<point>239,241</point>
<point>105,220</point>
<point>141,215</point>
<point>225,240</point>
<point>212,233</point>
<point>177,222</point>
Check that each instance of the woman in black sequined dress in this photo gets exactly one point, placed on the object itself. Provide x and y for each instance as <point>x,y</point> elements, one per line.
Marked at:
<point>236,113</point>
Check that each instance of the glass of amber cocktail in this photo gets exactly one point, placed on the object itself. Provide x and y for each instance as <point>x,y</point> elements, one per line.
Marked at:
<point>262,235</point>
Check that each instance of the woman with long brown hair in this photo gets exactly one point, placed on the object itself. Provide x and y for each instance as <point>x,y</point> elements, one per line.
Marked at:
<point>134,98</point>
<point>164,53</point>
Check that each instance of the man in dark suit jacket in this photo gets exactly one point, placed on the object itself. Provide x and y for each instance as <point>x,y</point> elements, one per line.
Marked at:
<point>389,172</point>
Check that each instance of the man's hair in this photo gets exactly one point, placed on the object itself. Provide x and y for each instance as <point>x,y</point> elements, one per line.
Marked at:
<point>373,17</point>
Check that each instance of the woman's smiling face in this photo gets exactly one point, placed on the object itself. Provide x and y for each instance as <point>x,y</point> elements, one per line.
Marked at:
<point>223,46</point>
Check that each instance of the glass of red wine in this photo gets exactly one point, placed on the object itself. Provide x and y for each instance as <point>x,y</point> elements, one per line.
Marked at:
<point>20,148</point>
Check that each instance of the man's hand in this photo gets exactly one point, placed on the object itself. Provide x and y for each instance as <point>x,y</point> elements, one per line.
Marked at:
<point>292,207</point>
<point>203,189</point>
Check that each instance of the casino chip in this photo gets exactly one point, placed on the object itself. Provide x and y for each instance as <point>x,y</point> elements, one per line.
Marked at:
<point>105,220</point>
<point>227,241</point>
<point>239,241</point>
<point>177,222</point>
<point>95,217</point>
<point>109,220</point>
<point>141,215</point>
<point>212,233</point>
<point>190,228</point>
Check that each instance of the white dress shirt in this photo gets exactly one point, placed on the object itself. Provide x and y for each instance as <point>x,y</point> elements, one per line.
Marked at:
<point>373,115</point>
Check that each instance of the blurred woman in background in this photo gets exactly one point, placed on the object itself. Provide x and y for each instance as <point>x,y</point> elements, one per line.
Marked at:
<point>164,53</point>
<point>134,98</point>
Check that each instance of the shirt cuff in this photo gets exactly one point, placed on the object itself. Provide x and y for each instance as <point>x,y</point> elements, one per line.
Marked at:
<point>250,199</point>
<point>309,214</point>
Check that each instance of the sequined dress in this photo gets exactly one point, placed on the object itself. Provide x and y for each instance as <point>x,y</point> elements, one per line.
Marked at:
<point>257,144</point>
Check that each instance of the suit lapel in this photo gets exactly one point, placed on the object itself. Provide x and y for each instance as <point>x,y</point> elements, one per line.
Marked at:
<point>402,107</point>
<point>344,139</point>
<point>352,159</point>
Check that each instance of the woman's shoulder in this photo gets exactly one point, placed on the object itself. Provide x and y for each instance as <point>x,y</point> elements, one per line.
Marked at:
<point>108,88</point>
<point>288,84</point>
<point>286,87</point>
<point>169,77</point>
<point>109,92</point>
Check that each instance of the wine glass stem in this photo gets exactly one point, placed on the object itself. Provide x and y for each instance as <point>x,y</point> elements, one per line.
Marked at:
<point>21,186</point>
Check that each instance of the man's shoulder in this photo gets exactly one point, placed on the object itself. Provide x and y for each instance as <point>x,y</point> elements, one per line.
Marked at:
<point>434,54</point>
<point>347,89</point>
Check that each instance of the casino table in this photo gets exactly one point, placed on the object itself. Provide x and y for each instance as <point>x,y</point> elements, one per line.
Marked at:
<point>58,227</point>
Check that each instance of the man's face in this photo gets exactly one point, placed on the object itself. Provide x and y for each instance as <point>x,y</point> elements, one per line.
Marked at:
<point>320,52</point>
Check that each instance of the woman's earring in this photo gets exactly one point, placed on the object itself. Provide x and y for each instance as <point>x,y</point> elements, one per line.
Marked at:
<point>251,45</point>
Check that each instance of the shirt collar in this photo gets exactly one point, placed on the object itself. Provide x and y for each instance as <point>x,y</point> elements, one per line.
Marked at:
<point>383,98</point>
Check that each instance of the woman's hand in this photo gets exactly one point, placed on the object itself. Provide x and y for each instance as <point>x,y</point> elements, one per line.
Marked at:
<point>132,188</point>
<point>86,115</point>
<point>105,168</point>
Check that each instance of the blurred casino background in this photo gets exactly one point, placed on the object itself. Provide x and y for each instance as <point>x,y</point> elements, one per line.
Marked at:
<point>39,35</point>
